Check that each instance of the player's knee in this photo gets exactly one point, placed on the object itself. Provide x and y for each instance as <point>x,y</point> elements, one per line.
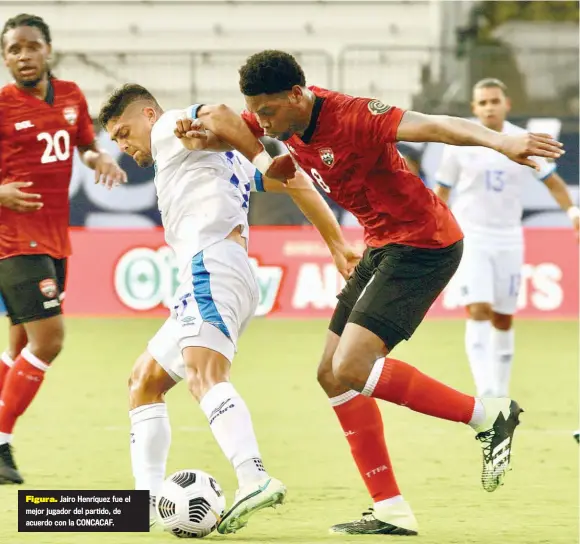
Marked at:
<point>324,373</point>
<point>502,322</point>
<point>47,347</point>
<point>346,368</point>
<point>146,382</point>
<point>480,311</point>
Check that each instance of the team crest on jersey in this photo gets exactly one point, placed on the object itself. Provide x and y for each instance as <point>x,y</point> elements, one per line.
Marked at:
<point>48,288</point>
<point>327,156</point>
<point>376,107</point>
<point>70,114</point>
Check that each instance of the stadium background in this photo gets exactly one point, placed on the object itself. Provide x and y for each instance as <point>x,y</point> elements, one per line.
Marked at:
<point>421,55</point>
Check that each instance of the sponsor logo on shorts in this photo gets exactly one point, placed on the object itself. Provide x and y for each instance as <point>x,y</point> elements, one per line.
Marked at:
<point>48,304</point>
<point>48,288</point>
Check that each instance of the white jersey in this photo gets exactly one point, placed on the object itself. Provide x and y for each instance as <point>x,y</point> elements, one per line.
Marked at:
<point>488,188</point>
<point>202,195</point>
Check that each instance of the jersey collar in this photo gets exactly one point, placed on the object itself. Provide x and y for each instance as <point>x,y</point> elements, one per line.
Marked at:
<point>309,132</point>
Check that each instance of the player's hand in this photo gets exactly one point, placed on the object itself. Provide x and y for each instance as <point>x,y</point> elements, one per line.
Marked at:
<point>108,172</point>
<point>346,258</point>
<point>282,168</point>
<point>192,134</point>
<point>523,146</point>
<point>13,198</point>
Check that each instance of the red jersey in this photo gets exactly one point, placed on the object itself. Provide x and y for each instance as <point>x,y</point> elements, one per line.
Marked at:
<point>349,150</point>
<point>37,142</point>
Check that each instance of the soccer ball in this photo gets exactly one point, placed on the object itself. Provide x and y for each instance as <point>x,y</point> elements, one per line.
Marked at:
<point>190,504</point>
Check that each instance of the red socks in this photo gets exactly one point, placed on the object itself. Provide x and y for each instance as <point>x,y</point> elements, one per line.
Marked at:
<point>21,384</point>
<point>362,424</point>
<point>6,364</point>
<point>400,383</point>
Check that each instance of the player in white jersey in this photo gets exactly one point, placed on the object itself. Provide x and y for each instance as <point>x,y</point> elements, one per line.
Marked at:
<point>488,206</point>
<point>203,198</point>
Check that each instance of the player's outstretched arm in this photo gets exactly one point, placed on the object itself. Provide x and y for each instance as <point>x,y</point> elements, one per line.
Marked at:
<point>107,171</point>
<point>316,210</point>
<point>559,190</point>
<point>442,192</point>
<point>419,127</point>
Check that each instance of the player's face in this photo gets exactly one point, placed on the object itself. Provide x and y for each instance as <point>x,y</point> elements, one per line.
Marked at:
<point>132,133</point>
<point>491,106</point>
<point>26,55</point>
<point>280,115</point>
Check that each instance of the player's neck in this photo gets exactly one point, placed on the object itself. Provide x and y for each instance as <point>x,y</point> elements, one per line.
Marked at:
<point>40,90</point>
<point>308,109</point>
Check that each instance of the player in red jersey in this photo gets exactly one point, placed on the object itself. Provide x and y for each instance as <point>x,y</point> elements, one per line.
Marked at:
<point>42,120</point>
<point>414,246</point>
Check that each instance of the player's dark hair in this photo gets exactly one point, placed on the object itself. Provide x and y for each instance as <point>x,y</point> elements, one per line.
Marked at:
<point>120,99</point>
<point>26,19</point>
<point>270,72</point>
<point>491,83</point>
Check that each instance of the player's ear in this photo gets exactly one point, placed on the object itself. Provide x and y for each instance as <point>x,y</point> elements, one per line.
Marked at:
<point>508,103</point>
<point>150,114</point>
<point>296,94</point>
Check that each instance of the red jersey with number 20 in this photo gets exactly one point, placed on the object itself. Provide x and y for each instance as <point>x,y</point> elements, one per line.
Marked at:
<point>349,150</point>
<point>37,142</point>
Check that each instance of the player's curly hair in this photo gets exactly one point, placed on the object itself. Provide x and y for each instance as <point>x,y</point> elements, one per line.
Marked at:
<point>26,19</point>
<point>120,99</point>
<point>270,72</point>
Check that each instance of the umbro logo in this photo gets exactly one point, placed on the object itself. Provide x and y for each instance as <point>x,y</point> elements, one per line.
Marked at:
<point>23,124</point>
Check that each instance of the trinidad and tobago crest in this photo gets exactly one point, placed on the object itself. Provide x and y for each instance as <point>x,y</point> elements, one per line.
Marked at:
<point>327,156</point>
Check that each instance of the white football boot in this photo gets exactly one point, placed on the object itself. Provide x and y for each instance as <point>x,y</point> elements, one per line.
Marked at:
<point>251,499</point>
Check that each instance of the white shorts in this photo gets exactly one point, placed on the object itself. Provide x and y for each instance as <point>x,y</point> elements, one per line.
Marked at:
<point>490,275</point>
<point>211,308</point>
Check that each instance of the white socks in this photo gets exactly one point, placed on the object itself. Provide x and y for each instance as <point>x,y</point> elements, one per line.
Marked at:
<point>502,354</point>
<point>231,425</point>
<point>490,352</point>
<point>150,441</point>
<point>477,346</point>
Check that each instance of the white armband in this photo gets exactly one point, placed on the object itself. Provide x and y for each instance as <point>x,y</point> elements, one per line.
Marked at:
<point>262,161</point>
<point>573,212</point>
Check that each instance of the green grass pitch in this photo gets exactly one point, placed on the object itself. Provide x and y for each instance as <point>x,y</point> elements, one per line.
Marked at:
<point>75,436</point>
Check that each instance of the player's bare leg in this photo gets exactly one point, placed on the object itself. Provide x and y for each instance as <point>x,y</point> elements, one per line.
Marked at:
<point>150,428</point>
<point>358,363</point>
<point>207,375</point>
<point>502,352</point>
<point>22,382</point>
<point>17,340</point>
<point>362,424</point>
<point>478,347</point>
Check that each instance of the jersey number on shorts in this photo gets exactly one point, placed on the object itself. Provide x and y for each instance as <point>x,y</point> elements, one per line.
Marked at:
<point>57,146</point>
<point>495,180</point>
<point>318,178</point>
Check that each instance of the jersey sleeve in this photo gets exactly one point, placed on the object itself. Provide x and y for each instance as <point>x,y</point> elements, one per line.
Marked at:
<point>449,169</point>
<point>547,168</point>
<point>254,175</point>
<point>372,122</point>
<point>253,124</point>
<point>86,131</point>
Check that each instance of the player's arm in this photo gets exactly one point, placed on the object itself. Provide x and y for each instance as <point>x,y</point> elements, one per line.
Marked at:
<point>419,127</point>
<point>301,189</point>
<point>219,128</point>
<point>559,190</point>
<point>107,171</point>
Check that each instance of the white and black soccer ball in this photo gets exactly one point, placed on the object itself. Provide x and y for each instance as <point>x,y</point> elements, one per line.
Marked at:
<point>190,504</point>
